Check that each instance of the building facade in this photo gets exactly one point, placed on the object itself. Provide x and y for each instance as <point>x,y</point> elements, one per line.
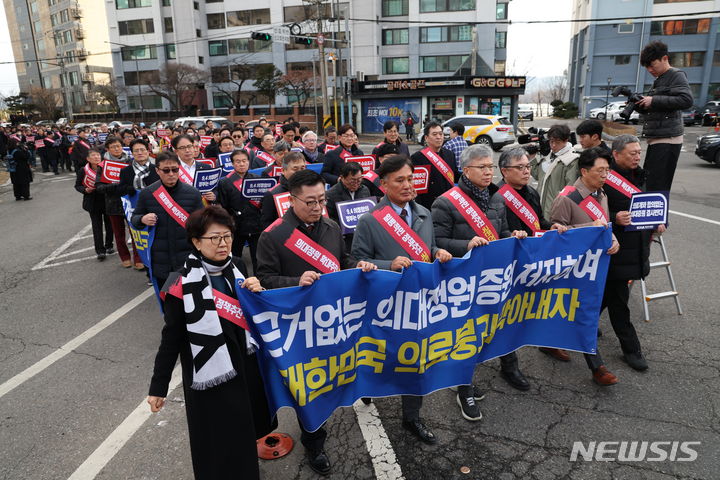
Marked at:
<point>604,55</point>
<point>60,45</point>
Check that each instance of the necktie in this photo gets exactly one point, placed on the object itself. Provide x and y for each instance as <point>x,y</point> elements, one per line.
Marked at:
<point>403,215</point>
<point>310,227</point>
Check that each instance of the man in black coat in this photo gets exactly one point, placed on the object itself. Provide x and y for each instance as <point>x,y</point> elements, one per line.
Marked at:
<point>292,162</point>
<point>631,262</point>
<point>334,159</point>
<point>170,247</point>
<point>440,161</point>
<point>279,266</point>
<point>80,149</point>
<point>349,187</point>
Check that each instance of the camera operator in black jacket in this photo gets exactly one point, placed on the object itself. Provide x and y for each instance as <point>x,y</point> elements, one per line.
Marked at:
<point>662,115</point>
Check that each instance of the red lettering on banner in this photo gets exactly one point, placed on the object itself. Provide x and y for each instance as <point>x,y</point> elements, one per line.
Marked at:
<point>475,217</point>
<point>421,179</point>
<point>402,234</point>
<point>437,161</point>
<point>111,171</point>
<point>619,183</point>
<point>282,203</point>
<point>367,162</point>
<point>310,251</point>
<point>90,176</point>
<point>520,207</point>
<point>170,206</point>
<point>229,308</point>
<point>205,140</point>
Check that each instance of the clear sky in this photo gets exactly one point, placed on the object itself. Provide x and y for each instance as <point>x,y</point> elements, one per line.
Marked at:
<point>533,50</point>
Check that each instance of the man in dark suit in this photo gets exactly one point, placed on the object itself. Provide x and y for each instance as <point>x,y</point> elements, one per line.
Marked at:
<point>292,162</point>
<point>349,187</point>
<point>280,266</point>
<point>374,242</point>
<point>441,163</point>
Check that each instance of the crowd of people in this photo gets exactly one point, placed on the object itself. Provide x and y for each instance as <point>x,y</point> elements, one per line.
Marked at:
<point>200,237</point>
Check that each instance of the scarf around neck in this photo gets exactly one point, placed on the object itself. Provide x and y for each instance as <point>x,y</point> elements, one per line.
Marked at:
<point>481,195</point>
<point>141,171</point>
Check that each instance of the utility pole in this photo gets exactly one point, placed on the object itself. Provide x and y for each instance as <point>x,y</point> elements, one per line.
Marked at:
<point>323,64</point>
<point>473,51</point>
<point>67,110</point>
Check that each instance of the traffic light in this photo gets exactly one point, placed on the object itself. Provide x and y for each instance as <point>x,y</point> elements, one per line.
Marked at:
<point>265,37</point>
<point>304,41</point>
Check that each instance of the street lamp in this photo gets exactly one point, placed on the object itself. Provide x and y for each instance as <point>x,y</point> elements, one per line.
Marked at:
<point>137,74</point>
<point>607,96</point>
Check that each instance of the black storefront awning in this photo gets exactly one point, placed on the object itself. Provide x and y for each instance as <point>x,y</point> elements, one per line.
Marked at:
<point>470,85</point>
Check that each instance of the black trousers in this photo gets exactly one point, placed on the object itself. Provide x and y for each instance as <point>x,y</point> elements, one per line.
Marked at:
<point>239,245</point>
<point>615,299</point>
<point>98,220</point>
<point>411,405</point>
<point>508,363</point>
<point>21,190</point>
<point>313,441</point>
<point>660,163</point>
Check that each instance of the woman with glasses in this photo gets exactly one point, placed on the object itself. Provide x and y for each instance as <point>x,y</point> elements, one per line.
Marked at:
<point>94,203</point>
<point>335,159</point>
<point>225,401</point>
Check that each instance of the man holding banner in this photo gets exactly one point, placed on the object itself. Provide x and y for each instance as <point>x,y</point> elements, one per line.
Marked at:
<point>348,188</point>
<point>468,216</point>
<point>441,163</point>
<point>584,204</point>
<point>184,147</point>
<point>166,205</point>
<point>395,233</point>
<point>296,250</point>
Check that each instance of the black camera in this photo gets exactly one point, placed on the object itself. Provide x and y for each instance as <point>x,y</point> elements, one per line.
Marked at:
<point>535,141</point>
<point>633,98</point>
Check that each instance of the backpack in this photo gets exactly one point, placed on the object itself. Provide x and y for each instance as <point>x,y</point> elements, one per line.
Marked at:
<point>10,162</point>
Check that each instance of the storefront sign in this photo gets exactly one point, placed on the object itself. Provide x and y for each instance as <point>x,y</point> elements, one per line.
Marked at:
<point>405,84</point>
<point>497,82</point>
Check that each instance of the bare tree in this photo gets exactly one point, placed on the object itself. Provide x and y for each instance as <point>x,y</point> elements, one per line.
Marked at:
<point>176,81</point>
<point>45,101</point>
<point>267,79</point>
<point>107,93</point>
<point>298,84</point>
<point>237,76</point>
<point>557,87</point>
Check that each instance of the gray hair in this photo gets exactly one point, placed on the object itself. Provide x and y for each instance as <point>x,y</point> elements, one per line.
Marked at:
<point>621,141</point>
<point>474,151</point>
<point>509,155</point>
<point>307,134</point>
<point>292,157</point>
<point>281,146</point>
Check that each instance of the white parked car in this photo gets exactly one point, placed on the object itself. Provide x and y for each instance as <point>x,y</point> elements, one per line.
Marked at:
<point>185,122</point>
<point>494,131</point>
<point>613,112</point>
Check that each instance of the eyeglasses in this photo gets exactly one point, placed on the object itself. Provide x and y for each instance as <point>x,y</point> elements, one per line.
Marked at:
<point>312,203</point>
<point>184,147</point>
<point>215,239</point>
<point>348,135</point>
<point>489,168</point>
<point>237,136</point>
<point>519,168</point>
<point>169,170</point>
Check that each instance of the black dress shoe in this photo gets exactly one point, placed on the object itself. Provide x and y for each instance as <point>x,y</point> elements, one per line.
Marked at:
<point>319,462</point>
<point>515,379</point>
<point>599,334</point>
<point>417,428</point>
<point>366,400</point>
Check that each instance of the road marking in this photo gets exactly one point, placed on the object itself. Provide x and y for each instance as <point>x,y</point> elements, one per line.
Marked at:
<point>702,219</point>
<point>69,254</point>
<point>102,455</point>
<point>65,179</point>
<point>77,237</point>
<point>377,442</point>
<point>44,363</point>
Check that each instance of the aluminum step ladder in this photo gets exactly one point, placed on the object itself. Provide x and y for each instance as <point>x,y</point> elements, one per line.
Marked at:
<point>672,293</point>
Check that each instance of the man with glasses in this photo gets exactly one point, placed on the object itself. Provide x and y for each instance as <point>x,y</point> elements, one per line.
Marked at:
<point>310,148</point>
<point>335,159</point>
<point>239,136</point>
<point>166,205</point>
<point>556,171</point>
<point>187,151</point>
<point>292,163</point>
<point>281,264</point>
<point>349,187</point>
<point>457,230</point>
<point>441,163</point>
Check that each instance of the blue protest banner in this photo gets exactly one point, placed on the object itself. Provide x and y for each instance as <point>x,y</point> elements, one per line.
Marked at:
<point>350,212</point>
<point>310,166</point>
<point>102,136</point>
<point>353,334</point>
<point>225,162</point>
<point>255,188</point>
<point>207,180</point>
<point>142,238</point>
<point>128,152</point>
<point>647,211</point>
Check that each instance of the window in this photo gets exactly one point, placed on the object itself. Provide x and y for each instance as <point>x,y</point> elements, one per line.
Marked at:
<point>247,45</point>
<point>196,5</point>
<point>34,7</point>
<point>626,28</point>
<point>394,8</point>
<point>149,102</point>
<point>217,48</point>
<point>215,20</point>
<point>501,11</point>
<point>302,13</point>
<point>499,67</point>
<point>141,52</point>
<point>38,26</point>
<point>221,100</point>
<point>686,59</point>
<point>622,59</point>
<point>201,60</point>
<point>459,33</point>
<point>74,78</point>
<point>248,17</point>
<point>713,91</point>
<point>198,33</point>
<point>219,74</point>
<point>680,27</point>
<point>165,3</point>
<point>395,36</point>
<point>442,63</point>
<point>135,27</point>
<point>213,1</point>
<point>396,65</point>
<point>170,53</point>
<point>672,1</point>
<point>67,36</point>
<point>54,19</point>
<point>120,4</point>
<point>41,44</point>
<point>500,39</point>
<point>168,25</point>
<point>147,77</point>
<point>65,16</point>
<point>428,6</point>
<point>716,58</point>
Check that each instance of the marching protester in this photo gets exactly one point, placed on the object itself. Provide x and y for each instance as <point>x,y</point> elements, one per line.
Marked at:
<point>94,203</point>
<point>265,154</point>
<point>335,159</point>
<point>458,232</point>
<point>114,150</point>
<point>387,247</point>
<point>349,187</point>
<point>225,402</point>
<point>166,205</point>
<point>310,149</point>
<point>245,212</point>
<point>440,162</point>
<point>556,171</point>
<point>51,151</point>
<point>80,149</point>
<point>571,209</point>
<point>331,140</point>
<point>282,264</point>
<point>392,136</point>
<point>293,162</point>
<point>280,150</point>
<point>371,179</point>
<point>457,142</point>
<point>589,134</point>
<point>186,151</point>
<point>631,262</point>
<point>20,168</point>
<point>139,174</point>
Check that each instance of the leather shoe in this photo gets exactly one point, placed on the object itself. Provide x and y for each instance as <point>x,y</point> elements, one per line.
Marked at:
<point>515,379</point>
<point>319,462</point>
<point>417,428</point>
<point>556,353</point>
<point>366,400</point>
<point>604,377</point>
<point>636,361</point>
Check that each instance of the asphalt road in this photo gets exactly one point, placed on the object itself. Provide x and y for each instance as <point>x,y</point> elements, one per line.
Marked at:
<point>74,370</point>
